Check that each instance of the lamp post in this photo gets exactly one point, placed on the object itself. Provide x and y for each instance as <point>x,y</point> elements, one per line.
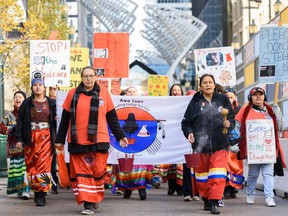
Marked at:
<point>278,6</point>
<point>252,28</point>
<point>72,31</point>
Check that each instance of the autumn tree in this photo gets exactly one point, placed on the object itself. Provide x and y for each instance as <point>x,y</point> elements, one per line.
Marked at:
<point>43,18</point>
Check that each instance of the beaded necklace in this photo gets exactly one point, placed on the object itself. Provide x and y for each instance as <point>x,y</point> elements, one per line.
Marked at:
<point>35,107</point>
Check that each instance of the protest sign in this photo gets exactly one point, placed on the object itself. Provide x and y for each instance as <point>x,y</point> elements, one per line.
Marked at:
<point>52,57</point>
<point>260,138</point>
<point>220,62</point>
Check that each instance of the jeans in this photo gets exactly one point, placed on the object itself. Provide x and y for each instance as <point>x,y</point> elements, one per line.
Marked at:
<point>268,179</point>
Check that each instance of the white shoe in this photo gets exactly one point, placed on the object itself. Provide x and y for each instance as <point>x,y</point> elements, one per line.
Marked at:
<point>195,198</point>
<point>25,195</point>
<point>87,212</point>
<point>221,203</point>
<point>270,202</point>
<point>250,199</point>
<point>187,198</point>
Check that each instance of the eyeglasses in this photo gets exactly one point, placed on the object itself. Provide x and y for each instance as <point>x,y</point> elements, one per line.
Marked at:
<point>88,76</point>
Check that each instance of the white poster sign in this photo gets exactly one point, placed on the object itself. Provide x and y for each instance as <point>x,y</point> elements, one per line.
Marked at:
<point>260,136</point>
<point>52,57</point>
<point>220,62</point>
<point>152,126</point>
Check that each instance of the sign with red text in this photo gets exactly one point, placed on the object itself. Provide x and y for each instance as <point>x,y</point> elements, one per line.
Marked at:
<point>157,85</point>
<point>219,61</point>
<point>260,137</point>
<point>52,57</point>
<point>111,54</point>
<point>79,58</point>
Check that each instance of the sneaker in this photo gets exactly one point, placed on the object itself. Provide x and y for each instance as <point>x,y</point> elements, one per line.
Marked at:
<point>195,198</point>
<point>270,202</point>
<point>25,195</point>
<point>87,212</point>
<point>187,198</point>
<point>119,192</point>
<point>221,203</point>
<point>157,185</point>
<point>250,199</point>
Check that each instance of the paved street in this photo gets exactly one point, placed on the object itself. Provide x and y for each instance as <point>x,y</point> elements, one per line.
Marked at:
<point>158,203</point>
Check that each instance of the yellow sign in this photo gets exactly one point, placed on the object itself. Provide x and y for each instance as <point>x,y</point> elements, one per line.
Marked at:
<point>157,85</point>
<point>79,58</point>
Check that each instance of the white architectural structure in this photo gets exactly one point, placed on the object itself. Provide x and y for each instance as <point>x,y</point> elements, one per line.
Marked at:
<point>116,16</point>
<point>173,33</point>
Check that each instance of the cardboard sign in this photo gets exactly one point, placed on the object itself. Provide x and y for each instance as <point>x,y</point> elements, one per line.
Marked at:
<point>220,62</point>
<point>79,58</point>
<point>273,66</point>
<point>157,85</point>
<point>111,54</point>
<point>52,57</point>
<point>260,136</point>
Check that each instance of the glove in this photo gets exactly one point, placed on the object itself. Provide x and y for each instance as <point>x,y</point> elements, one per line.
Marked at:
<point>235,148</point>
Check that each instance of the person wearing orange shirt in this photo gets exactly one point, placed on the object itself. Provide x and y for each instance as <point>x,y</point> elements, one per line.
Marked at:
<point>87,110</point>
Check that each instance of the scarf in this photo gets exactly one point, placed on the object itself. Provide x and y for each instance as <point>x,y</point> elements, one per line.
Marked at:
<point>278,166</point>
<point>93,115</point>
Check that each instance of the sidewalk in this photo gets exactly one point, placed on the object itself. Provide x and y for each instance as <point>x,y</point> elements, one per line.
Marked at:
<point>3,183</point>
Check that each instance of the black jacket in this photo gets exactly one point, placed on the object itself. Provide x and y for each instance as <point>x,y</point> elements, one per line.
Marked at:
<point>205,121</point>
<point>23,126</point>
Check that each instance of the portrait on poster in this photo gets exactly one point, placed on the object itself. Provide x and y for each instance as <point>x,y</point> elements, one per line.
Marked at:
<point>267,71</point>
<point>214,59</point>
<point>101,53</point>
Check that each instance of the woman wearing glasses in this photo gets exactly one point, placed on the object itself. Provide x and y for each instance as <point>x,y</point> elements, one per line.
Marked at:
<point>87,111</point>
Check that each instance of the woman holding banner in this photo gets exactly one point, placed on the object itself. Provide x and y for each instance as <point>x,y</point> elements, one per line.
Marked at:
<point>258,110</point>
<point>87,111</point>
<point>205,124</point>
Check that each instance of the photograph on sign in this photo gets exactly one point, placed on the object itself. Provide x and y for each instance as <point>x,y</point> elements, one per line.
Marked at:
<point>267,71</point>
<point>260,137</point>
<point>220,62</point>
<point>273,66</point>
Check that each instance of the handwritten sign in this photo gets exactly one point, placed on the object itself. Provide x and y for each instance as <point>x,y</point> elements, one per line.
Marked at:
<point>79,58</point>
<point>52,57</point>
<point>220,62</point>
<point>157,85</point>
<point>260,138</point>
<point>110,54</point>
<point>273,56</point>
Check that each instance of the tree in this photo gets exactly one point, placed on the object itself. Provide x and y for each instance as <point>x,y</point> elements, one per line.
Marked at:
<point>44,18</point>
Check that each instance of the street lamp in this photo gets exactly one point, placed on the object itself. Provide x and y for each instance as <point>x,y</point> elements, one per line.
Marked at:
<point>278,6</point>
<point>253,28</point>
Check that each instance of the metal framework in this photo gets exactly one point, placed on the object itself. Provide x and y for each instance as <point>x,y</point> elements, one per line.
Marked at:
<point>147,57</point>
<point>172,32</point>
<point>116,16</point>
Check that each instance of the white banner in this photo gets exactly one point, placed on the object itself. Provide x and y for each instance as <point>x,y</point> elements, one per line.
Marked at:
<point>152,126</point>
<point>260,138</point>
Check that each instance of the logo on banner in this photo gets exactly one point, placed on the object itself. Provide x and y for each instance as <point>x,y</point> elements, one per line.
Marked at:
<point>141,128</point>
